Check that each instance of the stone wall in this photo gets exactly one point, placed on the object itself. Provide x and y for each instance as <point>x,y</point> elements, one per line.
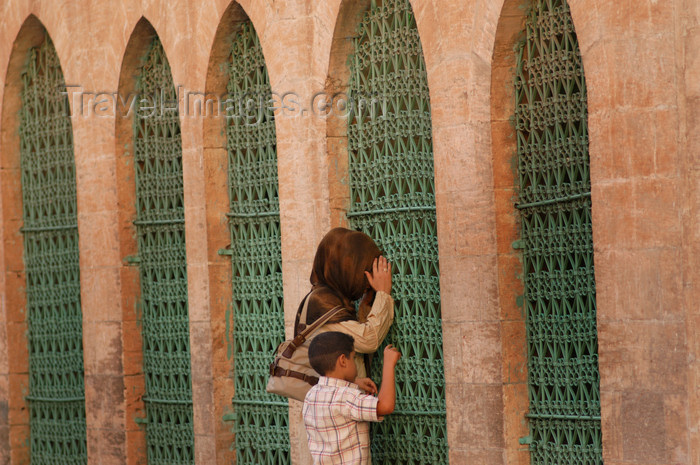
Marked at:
<point>643,74</point>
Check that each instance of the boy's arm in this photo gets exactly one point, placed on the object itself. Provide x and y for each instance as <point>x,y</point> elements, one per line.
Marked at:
<point>387,391</point>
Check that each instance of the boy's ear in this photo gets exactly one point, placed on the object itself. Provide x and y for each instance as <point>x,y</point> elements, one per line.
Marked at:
<point>342,361</point>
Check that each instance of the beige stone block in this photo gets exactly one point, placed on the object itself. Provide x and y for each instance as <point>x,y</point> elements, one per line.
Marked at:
<point>300,239</point>
<point>193,160</point>
<point>453,355</point>
<point>106,446</point>
<point>650,290</point>
<point>634,19</point>
<point>644,432</point>
<point>98,239</point>
<point>597,71</point>
<point>197,291</point>
<point>463,161</point>
<point>475,415</point>
<point>465,224</point>
<point>204,448</point>
<point>479,92</point>
<point>96,174</point>
<point>657,213</point>
<point>449,93</point>
<point>656,58</point>
<point>613,216</point>
<point>287,48</point>
<point>481,352</point>
<point>468,288</point>
<point>97,288</point>
<point>608,159</point>
<point>102,342</point>
<point>200,351</point>
<point>667,150</point>
<point>104,402</point>
<point>642,356</point>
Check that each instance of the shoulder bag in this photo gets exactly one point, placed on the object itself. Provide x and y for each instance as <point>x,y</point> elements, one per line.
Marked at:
<point>291,374</point>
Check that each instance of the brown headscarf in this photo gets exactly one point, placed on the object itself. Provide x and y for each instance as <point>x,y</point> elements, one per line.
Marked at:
<point>338,275</point>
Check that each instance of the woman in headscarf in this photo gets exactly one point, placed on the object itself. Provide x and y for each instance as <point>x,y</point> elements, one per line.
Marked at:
<point>348,266</point>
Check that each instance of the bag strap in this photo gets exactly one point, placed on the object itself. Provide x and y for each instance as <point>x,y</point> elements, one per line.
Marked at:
<point>279,372</point>
<point>301,314</point>
<point>320,322</point>
<point>301,337</point>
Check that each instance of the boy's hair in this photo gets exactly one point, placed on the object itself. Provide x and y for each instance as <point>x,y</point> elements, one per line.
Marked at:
<point>325,349</point>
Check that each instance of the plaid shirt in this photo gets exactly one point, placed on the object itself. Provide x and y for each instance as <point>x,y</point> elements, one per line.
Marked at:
<point>336,415</point>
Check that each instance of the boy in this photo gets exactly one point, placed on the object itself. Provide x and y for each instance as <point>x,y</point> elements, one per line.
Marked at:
<point>336,412</point>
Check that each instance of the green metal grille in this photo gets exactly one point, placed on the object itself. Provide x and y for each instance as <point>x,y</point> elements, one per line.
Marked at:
<point>393,200</point>
<point>160,226</point>
<point>261,419</point>
<point>555,207</point>
<point>54,318</point>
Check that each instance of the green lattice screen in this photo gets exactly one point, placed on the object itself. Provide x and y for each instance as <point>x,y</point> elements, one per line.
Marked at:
<point>555,207</point>
<point>392,200</point>
<point>54,318</point>
<point>160,226</point>
<point>261,419</point>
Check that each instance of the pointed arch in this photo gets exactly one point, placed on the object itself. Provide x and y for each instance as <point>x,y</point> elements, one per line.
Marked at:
<point>44,317</point>
<point>547,150</point>
<point>215,159</point>
<point>514,344</point>
<point>385,187</point>
<point>152,203</point>
<point>246,147</point>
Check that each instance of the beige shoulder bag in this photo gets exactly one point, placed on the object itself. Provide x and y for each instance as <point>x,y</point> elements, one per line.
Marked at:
<point>291,374</point>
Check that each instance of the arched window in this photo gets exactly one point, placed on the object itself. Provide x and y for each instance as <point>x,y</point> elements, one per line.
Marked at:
<point>54,318</point>
<point>160,226</point>
<point>392,198</point>
<point>556,238</point>
<point>261,419</point>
